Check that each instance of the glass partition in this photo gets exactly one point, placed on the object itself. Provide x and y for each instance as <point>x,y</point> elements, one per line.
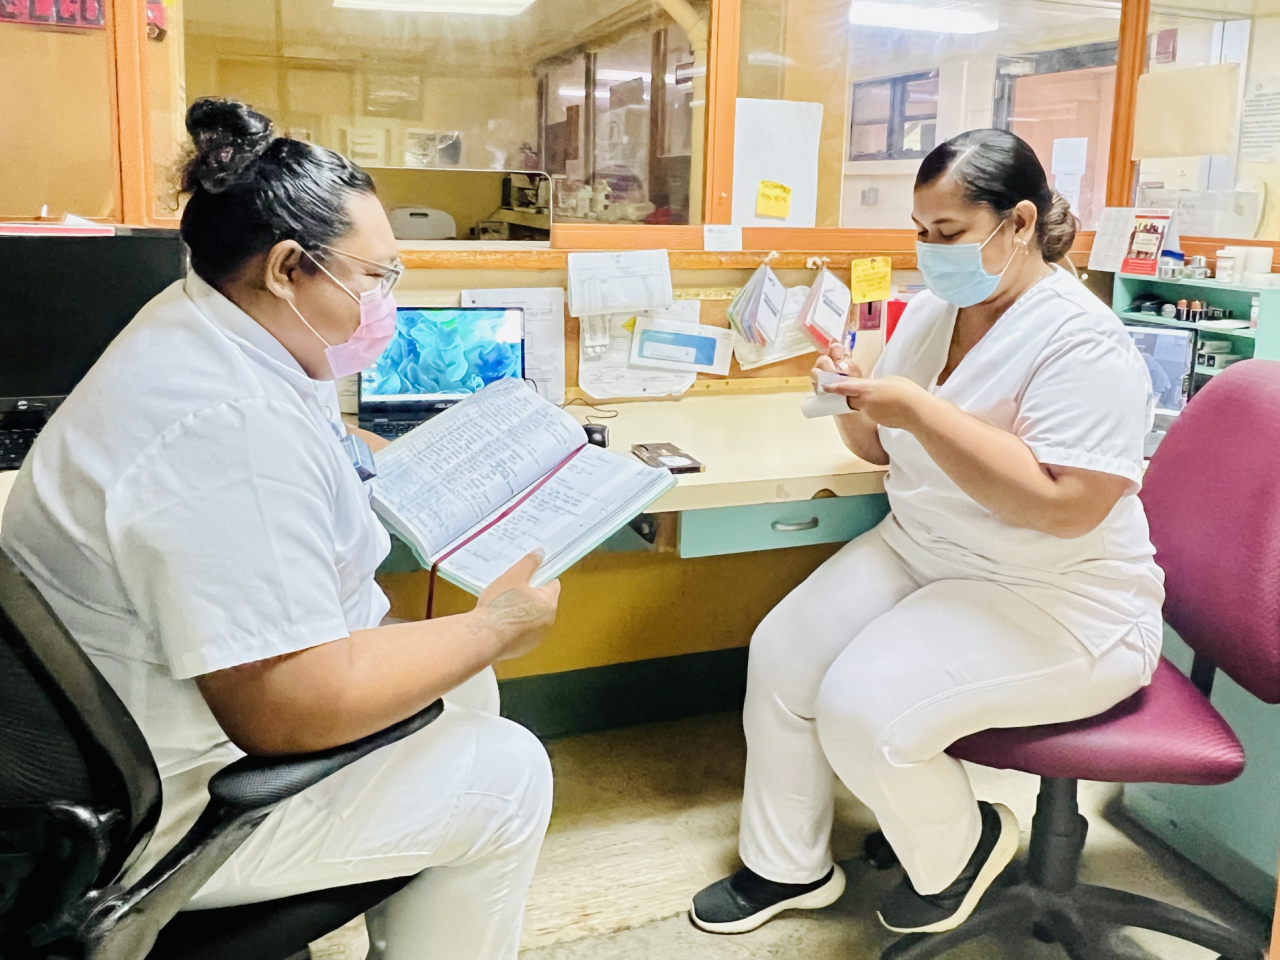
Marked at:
<point>1207,128</point>
<point>473,84</point>
<point>896,77</point>
<point>57,127</point>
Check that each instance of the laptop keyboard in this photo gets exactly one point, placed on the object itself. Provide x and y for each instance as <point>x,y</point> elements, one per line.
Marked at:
<point>392,428</point>
<point>14,444</point>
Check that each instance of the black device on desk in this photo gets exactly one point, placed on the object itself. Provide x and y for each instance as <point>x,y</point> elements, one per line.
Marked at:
<point>62,301</point>
<point>438,356</point>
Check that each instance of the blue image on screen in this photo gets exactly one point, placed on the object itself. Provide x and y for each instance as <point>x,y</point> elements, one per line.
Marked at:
<point>449,352</point>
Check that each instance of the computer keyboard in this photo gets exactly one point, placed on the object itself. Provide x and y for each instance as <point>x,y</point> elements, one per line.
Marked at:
<point>392,428</point>
<point>14,444</point>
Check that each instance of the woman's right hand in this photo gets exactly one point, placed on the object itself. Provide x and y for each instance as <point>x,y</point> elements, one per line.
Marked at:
<point>516,614</point>
<point>834,360</point>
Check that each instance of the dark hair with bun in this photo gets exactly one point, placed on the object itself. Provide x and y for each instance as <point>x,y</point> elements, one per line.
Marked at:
<point>1000,170</point>
<point>250,189</point>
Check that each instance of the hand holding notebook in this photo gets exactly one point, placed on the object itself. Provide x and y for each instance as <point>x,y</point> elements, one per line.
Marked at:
<point>501,474</point>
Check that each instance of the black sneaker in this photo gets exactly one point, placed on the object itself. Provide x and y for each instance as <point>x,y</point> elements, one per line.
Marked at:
<point>905,911</point>
<point>747,900</point>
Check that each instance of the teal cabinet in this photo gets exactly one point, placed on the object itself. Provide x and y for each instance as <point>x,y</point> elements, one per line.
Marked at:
<point>769,526</point>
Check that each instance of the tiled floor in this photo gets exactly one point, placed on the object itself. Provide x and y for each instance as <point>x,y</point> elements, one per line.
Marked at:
<point>647,816</point>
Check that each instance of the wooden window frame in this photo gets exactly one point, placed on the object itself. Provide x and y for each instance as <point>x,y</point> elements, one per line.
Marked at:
<point>138,189</point>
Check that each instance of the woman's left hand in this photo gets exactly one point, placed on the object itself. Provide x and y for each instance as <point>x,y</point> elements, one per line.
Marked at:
<point>889,401</point>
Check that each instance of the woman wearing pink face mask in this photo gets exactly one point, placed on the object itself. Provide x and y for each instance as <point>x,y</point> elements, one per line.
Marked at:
<point>192,515</point>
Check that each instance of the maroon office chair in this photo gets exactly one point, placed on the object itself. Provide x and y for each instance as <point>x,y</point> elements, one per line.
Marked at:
<point>1212,495</point>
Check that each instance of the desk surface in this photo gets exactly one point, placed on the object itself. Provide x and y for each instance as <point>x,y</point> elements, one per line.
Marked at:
<point>757,448</point>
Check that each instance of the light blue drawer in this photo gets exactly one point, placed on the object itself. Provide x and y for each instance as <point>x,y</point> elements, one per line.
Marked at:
<point>768,526</point>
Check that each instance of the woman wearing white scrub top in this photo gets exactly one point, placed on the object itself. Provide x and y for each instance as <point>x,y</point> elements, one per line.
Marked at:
<point>192,516</point>
<point>1012,584</point>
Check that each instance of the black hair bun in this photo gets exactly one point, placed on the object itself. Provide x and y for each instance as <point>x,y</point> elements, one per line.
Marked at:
<point>228,137</point>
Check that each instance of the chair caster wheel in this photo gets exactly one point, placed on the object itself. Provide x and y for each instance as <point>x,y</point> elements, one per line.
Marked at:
<point>1042,933</point>
<point>877,852</point>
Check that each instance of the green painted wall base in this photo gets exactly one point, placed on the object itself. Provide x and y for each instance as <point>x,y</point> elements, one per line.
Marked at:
<point>624,694</point>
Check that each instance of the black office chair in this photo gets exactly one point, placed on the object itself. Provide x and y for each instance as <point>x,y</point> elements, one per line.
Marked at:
<point>80,796</point>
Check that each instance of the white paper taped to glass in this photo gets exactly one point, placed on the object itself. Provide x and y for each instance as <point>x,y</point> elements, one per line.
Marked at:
<point>672,345</point>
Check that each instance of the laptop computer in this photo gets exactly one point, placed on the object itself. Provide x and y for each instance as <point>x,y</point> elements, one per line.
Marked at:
<point>64,301</point>
<point>1169,355</point>
<point>438,356</point>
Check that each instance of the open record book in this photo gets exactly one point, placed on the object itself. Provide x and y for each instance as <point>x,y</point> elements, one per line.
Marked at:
<point>501,474</point>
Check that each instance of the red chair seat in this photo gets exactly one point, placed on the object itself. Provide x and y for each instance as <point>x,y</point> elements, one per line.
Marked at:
<point>1165,733</point>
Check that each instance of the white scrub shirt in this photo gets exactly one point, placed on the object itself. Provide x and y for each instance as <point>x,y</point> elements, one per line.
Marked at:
<point>190,508</point>
<point>1059,371</point>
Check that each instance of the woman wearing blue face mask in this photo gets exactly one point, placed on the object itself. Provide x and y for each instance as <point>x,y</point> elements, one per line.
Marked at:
<point>1013,583</point>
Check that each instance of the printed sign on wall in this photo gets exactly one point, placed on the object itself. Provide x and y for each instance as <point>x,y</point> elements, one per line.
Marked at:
<point>85,14</point>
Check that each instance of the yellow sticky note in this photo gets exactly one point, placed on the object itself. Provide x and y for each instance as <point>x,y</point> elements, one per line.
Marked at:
<point>869,279</point>
<point>773,200</point>
<point>630,325</point>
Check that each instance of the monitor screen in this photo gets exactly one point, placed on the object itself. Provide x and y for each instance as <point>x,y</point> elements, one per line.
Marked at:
<point>63,299</point>
<point>440,353</point>
<point>1168,355</point>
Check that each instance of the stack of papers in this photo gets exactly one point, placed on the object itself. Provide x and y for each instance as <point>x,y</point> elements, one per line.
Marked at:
<point>610,373</point>
<point>756,311</point>
<point>825,310</point>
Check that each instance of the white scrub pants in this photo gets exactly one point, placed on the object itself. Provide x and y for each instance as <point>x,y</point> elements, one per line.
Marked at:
<point>872,667</point>
<point>462,806</point>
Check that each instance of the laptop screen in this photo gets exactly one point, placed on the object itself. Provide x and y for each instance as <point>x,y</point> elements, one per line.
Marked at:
<point>445,353</point>
<point>1168,356</point>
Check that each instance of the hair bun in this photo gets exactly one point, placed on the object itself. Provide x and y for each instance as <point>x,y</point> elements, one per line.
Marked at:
<point>228,137</point>
<point>1057,229</point>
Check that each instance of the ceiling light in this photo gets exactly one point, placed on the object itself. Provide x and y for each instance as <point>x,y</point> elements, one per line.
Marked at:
<point>495,8</point>
<point>911,16</point>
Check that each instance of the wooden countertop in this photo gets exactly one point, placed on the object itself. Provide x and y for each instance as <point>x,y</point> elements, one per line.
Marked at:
<point>757,448</point>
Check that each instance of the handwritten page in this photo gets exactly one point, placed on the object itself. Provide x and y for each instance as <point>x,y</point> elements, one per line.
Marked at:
<point>582,496</point>
<point>618,281</point>
<point>447,475</point>
<point>611,374</point>
<point>870,279</point>
<point>543,332</point>
<point>773,200</point>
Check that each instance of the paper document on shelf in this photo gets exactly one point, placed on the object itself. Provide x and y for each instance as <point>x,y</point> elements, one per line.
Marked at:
<point>617,282</point>
<point>611,374</point>
<point>791,340</point>
<point>543,332</point>
<point>1111,242</point>
<point>717,236</point>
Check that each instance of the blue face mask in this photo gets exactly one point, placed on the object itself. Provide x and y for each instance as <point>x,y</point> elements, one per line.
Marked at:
<point>954,271</point>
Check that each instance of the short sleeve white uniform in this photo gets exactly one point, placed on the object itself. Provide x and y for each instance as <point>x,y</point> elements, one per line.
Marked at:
<point>190,508</point>
<point>1059,371</point>
<point>943,620</point>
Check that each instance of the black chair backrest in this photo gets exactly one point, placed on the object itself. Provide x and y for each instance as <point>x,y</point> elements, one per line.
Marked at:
<point>65,737</point>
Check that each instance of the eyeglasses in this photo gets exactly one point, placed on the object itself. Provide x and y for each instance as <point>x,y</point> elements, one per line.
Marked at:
<point>391,272</point>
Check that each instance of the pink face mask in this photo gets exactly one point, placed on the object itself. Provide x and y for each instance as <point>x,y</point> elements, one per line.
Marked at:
<point>377,326</point>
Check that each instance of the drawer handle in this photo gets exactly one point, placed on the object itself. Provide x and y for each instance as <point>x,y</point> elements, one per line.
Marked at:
<point>781,527</point>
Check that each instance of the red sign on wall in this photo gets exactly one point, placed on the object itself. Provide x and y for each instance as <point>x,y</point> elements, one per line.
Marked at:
<point>86,14</point>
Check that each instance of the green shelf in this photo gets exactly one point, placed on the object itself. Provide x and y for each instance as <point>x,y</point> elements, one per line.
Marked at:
<point>1247,333</point>
<point>1198,284</point>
